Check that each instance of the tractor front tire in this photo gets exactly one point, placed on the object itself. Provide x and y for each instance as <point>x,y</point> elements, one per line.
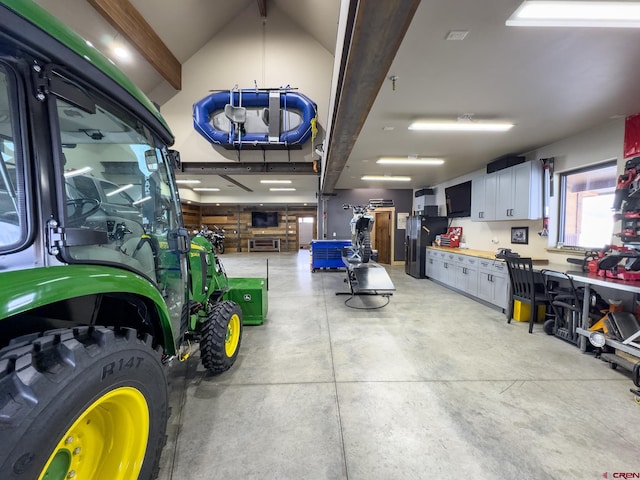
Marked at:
<point>221,337</point>
<point>87,402</point>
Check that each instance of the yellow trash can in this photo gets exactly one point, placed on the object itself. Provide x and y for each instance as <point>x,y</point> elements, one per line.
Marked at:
<point>521,312</point>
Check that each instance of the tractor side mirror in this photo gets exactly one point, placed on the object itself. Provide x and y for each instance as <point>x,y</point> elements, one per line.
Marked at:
<point>174,157</point>
<point>150,160</point>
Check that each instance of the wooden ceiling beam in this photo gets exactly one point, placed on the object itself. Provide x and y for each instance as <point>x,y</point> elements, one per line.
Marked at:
<point>377,30</point>
<point>124,17</point>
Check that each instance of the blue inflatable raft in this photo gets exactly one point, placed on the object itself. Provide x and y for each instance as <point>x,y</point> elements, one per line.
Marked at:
<point>278,118</point>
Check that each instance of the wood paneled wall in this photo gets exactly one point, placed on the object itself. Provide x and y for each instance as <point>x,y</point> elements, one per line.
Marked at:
<point>191,216</point>
<point>236,221</point>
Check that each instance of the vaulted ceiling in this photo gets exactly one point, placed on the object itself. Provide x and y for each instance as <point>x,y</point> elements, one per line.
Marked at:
<point>552,83</point>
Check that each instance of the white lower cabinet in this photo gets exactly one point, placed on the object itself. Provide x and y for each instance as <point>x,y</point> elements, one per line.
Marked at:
<point>478,277</point>
<point>485,287</point>
<point>467,275</point>
<point>493,282</point>
<point>500,280</point>
<point>450,267</point>
<point>433,268</point>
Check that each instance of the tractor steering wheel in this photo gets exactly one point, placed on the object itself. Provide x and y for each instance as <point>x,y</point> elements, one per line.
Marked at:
<point>79,209</point>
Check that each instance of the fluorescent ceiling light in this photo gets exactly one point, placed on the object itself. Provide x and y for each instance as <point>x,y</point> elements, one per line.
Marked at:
<point>276,181</point>
<point>187,182</point>
<point>118,190</point>
<point>282,189</point>
<point>410,161</point>
<point>121,52</point>
<point>384,178</point>
<point>460,126</point>
<point>205,189</point>
<point>533,13</point>
<point>78,171</point>
<point>143,199</point>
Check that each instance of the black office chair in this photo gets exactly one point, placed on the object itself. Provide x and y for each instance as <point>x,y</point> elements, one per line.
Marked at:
<point>524,288</point>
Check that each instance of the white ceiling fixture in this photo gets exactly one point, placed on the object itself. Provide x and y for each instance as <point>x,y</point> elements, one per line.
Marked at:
<point>142,200</point>
<point>457,35</point>
<point>410,161</point>
<point>385,178</point>
<point>118,190</point>
<point>276,181</point>
<point>461,125</point>
<point>534,13</point>
<point>121,53</point>
<point>78,171</point>
<point>205,189</point>
<point>282,189</point>
<point>188,182</point>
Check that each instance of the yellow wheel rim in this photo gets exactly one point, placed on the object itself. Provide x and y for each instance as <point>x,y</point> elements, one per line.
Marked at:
<point>233,335</point>
<point>107,442</point>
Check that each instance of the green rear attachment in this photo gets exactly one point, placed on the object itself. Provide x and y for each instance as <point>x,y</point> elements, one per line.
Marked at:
<point>251,295</point>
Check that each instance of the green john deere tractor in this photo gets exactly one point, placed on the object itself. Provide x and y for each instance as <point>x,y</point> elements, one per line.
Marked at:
<point>100,286</point>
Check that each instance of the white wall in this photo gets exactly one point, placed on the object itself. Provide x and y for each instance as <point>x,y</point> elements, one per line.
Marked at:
<point>588,148</point>
<point>594,146</point>
<point>274,53</point>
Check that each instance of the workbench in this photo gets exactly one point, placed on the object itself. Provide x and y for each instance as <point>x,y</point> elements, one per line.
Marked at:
<point>591,279</point>
<point>264,244</point>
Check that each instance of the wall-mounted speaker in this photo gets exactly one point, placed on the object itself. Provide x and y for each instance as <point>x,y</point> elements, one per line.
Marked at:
<point>503,162</point>
<point>424,191</point>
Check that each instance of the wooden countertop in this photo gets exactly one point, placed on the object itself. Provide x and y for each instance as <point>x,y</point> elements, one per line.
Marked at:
<point>486,254</point>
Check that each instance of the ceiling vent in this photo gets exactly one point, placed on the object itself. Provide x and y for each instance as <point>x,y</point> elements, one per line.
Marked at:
<point>457,35</point>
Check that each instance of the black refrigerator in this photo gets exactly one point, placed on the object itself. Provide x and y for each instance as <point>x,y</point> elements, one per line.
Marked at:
<point>421,232</point>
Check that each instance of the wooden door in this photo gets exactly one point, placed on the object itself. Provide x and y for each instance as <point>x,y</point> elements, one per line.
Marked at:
<point>382,227</point>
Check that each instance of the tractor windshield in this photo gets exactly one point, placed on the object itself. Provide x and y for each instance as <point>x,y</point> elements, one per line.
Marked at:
<point>120,203</point>
<point>12,192</point>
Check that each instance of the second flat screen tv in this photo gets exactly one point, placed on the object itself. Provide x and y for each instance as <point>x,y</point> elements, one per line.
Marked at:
<point>458,200</point>
<point>264,219</point>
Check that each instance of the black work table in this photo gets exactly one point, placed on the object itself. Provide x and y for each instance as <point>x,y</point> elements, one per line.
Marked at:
<point>588,279</point>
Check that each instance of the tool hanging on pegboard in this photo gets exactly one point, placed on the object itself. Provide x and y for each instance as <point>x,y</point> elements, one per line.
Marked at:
<point>626,202</point>
<point>547,192</point>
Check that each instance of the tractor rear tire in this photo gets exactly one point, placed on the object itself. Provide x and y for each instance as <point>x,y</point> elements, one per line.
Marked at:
<point>221,337</point>
<point>87,402</point>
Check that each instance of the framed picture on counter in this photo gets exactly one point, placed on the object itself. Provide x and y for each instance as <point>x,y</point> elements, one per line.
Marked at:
<point>520,235</point>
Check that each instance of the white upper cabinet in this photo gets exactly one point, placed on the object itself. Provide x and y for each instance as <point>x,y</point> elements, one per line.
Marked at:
<point>514,193</point>
<point>483,198</point>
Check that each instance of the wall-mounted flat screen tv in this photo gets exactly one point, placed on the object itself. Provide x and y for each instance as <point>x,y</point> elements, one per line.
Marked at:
<point>264,219</point>
<point>458,200</point>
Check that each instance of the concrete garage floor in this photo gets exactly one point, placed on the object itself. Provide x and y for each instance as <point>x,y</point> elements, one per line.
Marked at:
<point>434,385</point>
